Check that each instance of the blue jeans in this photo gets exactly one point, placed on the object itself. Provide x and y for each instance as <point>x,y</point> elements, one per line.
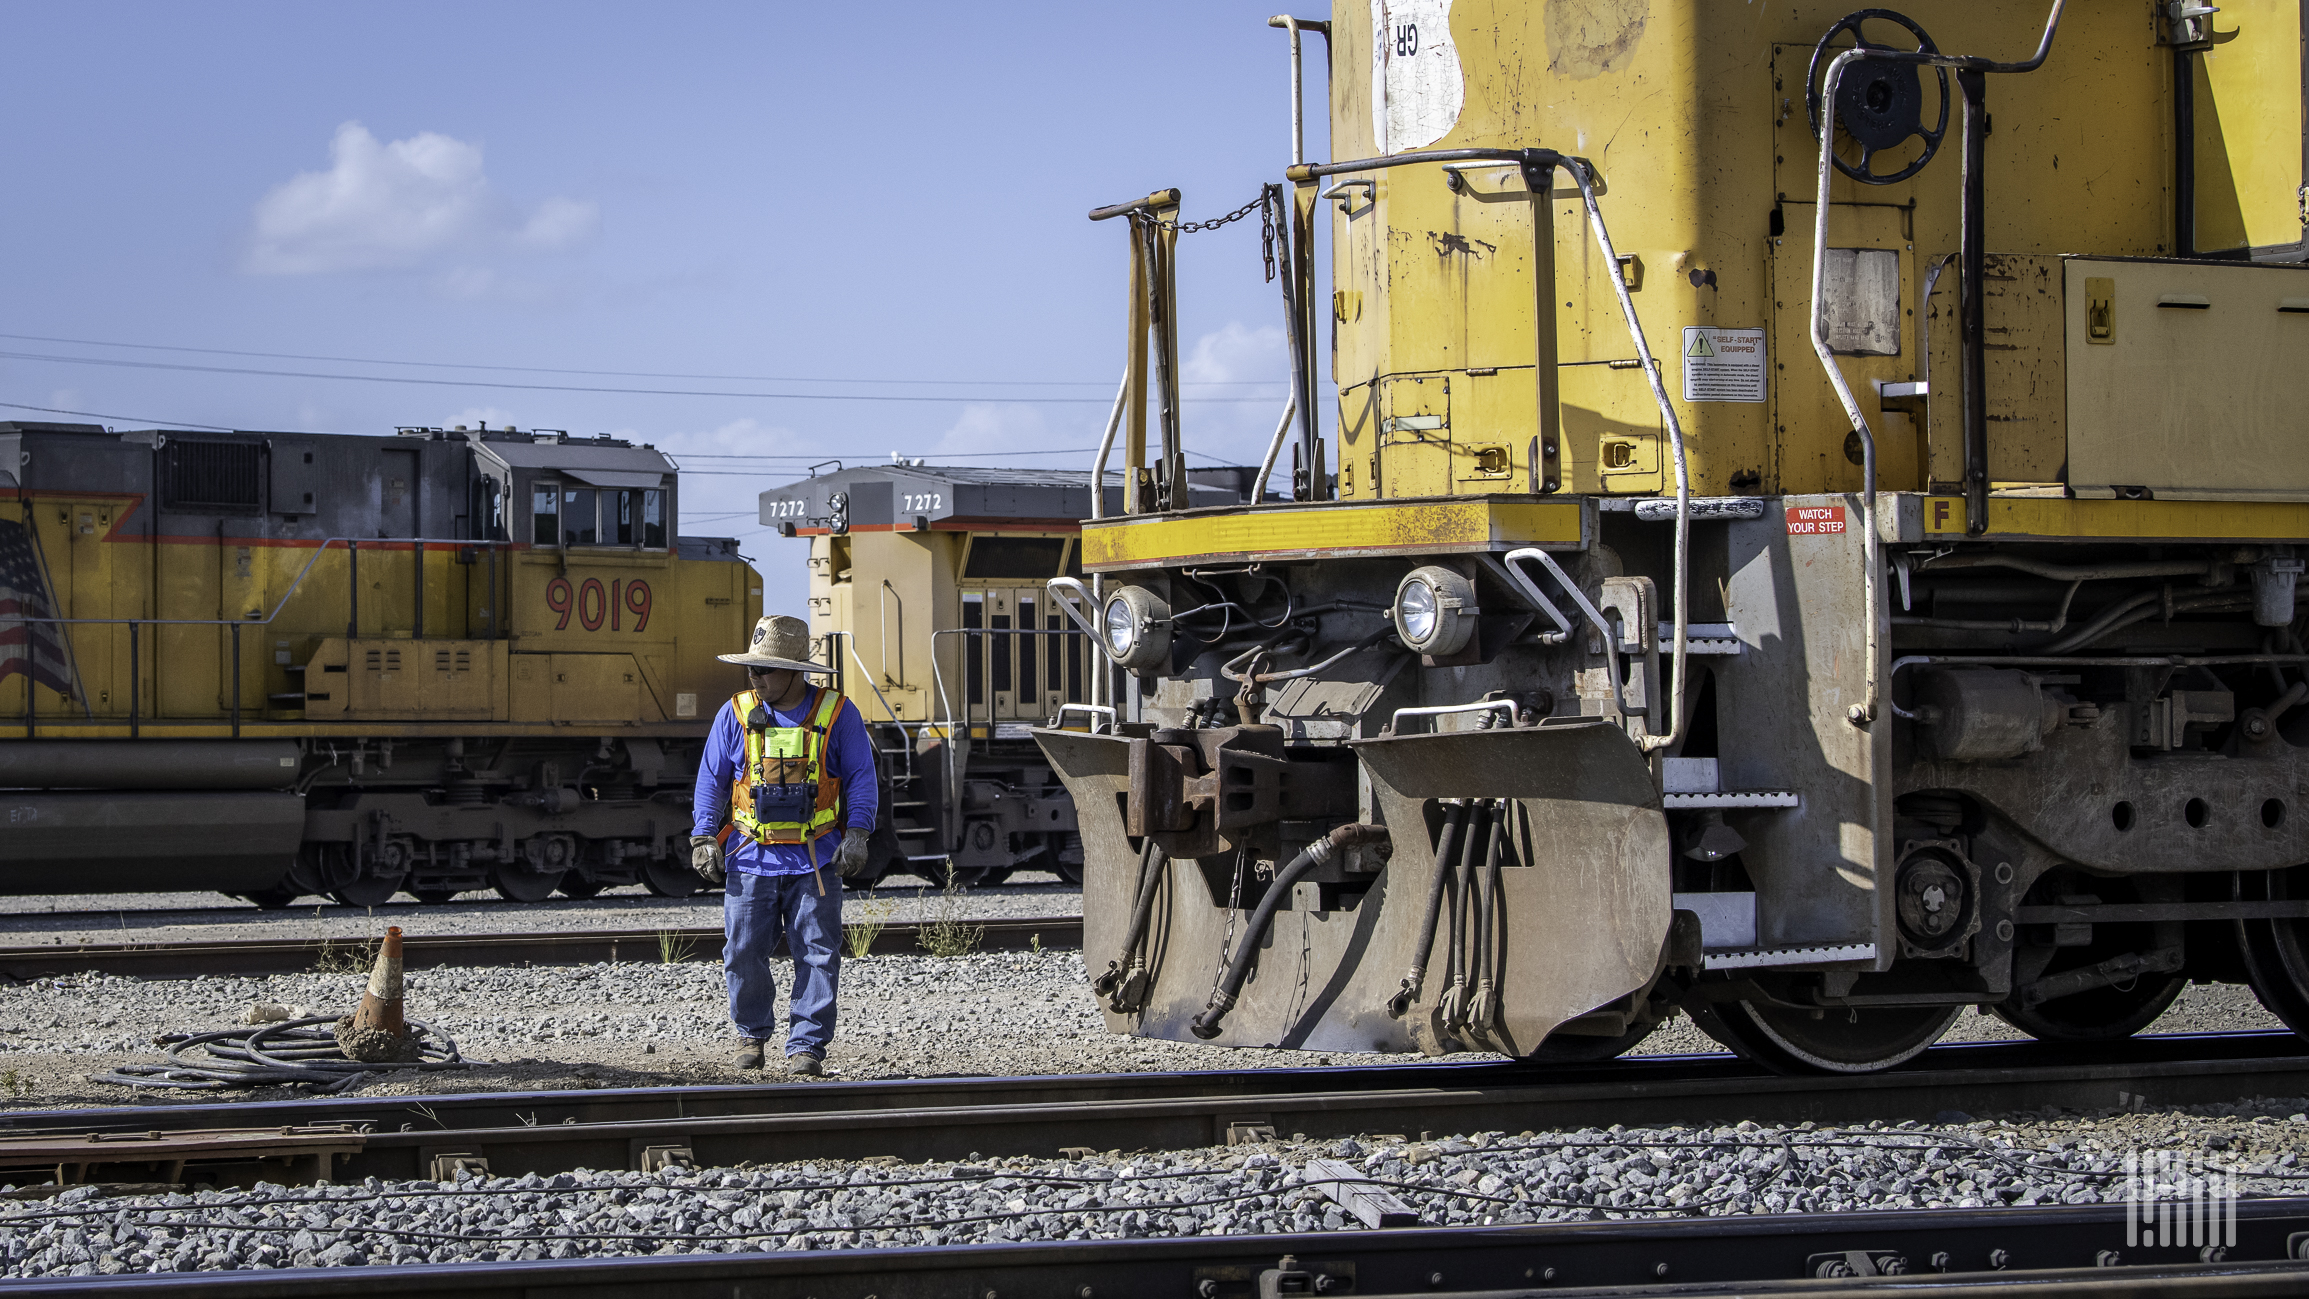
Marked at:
<point>756,911</point>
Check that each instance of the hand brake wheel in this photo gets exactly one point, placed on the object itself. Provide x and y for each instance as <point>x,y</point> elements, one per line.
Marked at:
<point>1879,102</point>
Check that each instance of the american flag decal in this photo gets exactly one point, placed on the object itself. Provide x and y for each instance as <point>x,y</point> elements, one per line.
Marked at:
<point>28,648</point>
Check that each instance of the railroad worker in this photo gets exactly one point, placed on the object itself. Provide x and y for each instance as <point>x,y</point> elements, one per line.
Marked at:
<point>793,764</point>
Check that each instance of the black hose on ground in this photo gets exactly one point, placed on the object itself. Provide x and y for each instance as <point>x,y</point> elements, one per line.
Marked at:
<point>1208,1023</point>
<point>1400,1004</point>
<point>1116,981</point>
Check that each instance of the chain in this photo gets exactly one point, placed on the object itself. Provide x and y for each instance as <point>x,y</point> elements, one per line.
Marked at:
<point>1266,204</point>
<point>1234,900</point>
<point>1270,198</point>
<point>1197,227</point>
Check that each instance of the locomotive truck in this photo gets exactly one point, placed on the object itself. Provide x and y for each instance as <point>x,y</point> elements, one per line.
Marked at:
<point>1808,534</point>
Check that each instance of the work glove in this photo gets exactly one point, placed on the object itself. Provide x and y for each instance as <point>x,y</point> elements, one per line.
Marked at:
<point>850,859</point>
<point>705,857</point>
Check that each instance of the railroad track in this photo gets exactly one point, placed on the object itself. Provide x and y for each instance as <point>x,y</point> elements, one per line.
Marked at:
<point>944,1119</point>
<point>2036,1252</point>
<point>425,951</point>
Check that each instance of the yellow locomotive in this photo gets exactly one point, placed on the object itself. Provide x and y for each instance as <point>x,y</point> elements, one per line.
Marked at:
<point>281,664</point>
<point>1819,589</point>
<point>927,594</point>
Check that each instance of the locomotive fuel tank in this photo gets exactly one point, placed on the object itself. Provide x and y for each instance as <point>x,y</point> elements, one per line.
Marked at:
<point>1808,538</point>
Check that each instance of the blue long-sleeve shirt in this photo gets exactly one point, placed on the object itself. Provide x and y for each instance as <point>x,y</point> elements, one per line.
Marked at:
<point>849,755</point>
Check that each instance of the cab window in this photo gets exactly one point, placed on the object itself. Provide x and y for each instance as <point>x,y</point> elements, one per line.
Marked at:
<point>545,511</point>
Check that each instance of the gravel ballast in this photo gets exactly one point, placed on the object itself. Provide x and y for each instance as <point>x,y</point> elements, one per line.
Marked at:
<point>630,1025</point>
<point>213,917</point>
<point>1475,1179</point>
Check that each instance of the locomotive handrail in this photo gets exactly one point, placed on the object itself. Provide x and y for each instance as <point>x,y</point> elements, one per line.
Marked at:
<point>946,702</point>
<point>1571,588</point>
<point>1584,173</point>
<point>135,673</point>
<point>294,584</point>
<point>1073,586</point>
<point>1442,710</point>
<point>1064,709</point>
<point>1969,275</point>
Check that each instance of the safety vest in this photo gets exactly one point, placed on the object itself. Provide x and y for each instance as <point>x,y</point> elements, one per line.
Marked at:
<point>784,793</point>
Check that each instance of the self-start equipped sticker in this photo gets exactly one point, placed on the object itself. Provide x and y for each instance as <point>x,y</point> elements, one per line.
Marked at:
<point>1815,520</point>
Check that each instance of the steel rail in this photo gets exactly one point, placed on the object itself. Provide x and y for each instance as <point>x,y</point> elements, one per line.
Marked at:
<point>919,1119</point>
<point>2035,1252</point>
<point>573,947</point>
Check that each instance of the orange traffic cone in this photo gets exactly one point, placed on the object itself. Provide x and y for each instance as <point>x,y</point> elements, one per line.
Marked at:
<point>377,1033</point>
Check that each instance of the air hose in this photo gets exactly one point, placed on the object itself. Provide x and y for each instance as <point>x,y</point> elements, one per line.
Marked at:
<point>1453,1003</point>
<point>1483,1007</point>
<point>1208,1023</point>
<point>1400,1004</point>
<point>1124,985</point>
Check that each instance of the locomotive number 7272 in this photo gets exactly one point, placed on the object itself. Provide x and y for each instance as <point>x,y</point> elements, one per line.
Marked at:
<point>593,603</point>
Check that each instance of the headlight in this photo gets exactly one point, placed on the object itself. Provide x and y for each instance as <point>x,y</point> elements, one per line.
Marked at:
<point>1435,611</point>
<point>1121,628</point>
<point>1137,625</point>
<point>1415,612</point>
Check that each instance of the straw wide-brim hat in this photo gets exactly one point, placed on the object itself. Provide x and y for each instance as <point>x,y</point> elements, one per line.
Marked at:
<point>779,642</point>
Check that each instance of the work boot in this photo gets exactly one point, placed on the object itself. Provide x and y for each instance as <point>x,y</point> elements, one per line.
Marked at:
<point>750,1053</point>
<point>801,1064</point>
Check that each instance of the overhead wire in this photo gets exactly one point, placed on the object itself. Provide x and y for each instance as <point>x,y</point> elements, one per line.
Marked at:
<point>416,380</point>
<point>619,374</point>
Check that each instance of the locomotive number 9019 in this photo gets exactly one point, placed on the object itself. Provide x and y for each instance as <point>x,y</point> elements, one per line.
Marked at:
<point>594,604</point>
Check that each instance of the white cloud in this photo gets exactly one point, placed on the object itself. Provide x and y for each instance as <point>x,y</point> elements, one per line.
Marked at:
<point>479,417</point>
<point>998,426</point>
<point>1237,354</point>
<point>410,203</point>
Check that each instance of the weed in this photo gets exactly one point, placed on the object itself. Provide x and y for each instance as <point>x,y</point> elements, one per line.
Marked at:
<point>16,1084</point>
<point>948,934</point>
<point>873,916</point>
<point>672,948</point>
<point>1034,943</point>
<point>352,956</point>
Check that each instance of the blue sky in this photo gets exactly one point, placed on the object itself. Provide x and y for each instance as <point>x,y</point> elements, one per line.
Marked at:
<point>859,201</point>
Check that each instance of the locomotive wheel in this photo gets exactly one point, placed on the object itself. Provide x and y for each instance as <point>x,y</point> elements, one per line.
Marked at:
<point>339,880</point>
<point>2277,951</point>
<point>1839,1041</point>
<point>1575,1048</point>
<point>2096,1015</point>
<point>671,879</point>
<point>517,885</point>
<point>367,891</point>
<point>1068,873</point>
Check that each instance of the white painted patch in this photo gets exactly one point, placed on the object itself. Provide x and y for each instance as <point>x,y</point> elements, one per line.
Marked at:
<point>1416,88</point>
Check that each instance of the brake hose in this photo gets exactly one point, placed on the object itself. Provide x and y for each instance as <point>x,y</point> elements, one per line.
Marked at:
<point>1127,983</point>
<point>1207,1024</point>
<point>1400,1004</point>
